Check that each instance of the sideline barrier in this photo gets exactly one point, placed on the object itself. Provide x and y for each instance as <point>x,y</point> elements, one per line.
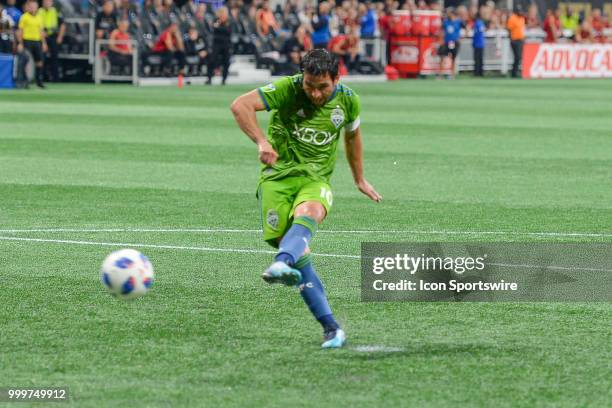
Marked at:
<point>567,61</point>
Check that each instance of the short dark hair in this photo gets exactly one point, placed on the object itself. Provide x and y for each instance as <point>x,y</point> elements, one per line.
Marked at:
<point>319,62</point>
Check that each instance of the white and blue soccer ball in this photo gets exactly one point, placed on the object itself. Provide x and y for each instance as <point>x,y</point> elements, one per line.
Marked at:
<point>127,274</point>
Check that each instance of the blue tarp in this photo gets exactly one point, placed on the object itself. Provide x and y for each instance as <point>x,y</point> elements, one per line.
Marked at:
<point>6,71</point>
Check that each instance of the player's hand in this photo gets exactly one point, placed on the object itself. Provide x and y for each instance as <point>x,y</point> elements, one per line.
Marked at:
<point>45,49</point>
<point>20,48</point>
<point>367,189</point>
<point>267,154</point>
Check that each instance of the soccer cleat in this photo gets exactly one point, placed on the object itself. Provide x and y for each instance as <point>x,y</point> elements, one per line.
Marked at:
<point>334,339</point>
<point>280,272</point>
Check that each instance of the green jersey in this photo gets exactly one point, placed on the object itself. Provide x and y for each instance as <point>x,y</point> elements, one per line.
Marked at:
<point>306,136</point>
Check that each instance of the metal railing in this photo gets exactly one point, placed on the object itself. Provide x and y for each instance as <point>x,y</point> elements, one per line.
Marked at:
<point>77,28</point>
<point>497,54</point>
<point>103,67</point>
<point>373,49</point>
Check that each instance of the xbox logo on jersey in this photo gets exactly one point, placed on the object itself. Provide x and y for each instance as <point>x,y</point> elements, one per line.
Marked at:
<point>313,136</point>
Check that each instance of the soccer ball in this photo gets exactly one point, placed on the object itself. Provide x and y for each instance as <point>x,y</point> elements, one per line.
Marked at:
<point>127,274</point>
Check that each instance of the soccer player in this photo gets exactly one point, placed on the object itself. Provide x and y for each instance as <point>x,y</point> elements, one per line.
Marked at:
<point>298,156</point>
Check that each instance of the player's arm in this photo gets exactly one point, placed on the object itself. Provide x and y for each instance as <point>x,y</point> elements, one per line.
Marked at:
<point>244,109</point>
<point>354,156</point>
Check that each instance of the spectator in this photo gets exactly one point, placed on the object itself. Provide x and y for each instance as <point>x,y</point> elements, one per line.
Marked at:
<point>171,10</point>
<point>533,20</point>
<point>516,26</point>
<point>552,26</point>
<point>296,47</point>
<point>5,19</point>
<point>128,11</point>
<point>55,29</point>
<point>13,12</point>
<point>352,20</point>
<point>570,22</point>
<point>337,20</point>
<point>241,41</point>
<point>385,22</point>
<point>203,21</point>
<point>320,25</point>
<point>170,45</point>
<point>6,32</point>
<point>106,21</point>
<point>120,47</point>
<point>265,21</point>
<point>31,37</point>
<point>189,9</point>
<point>584,34</point>
<point>306,16</point>
<point>478,43</point>
<point>346,48</point>
<point>161,15</point>
<point>464,16</point>
<point>7,46</point>
<point>196,47</point>
<point>451,28</point>
<point>221,49</point>
<point>291,16</point>
<point>367,20</point>
<point>495,22</point>
<point>435,25</point>
<point>598,25</point>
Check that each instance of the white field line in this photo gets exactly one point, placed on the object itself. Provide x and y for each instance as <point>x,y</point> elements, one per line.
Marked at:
<point>377,349</point>
<point>190,248</point>
<point>225,230</point>
<point>252,251</point>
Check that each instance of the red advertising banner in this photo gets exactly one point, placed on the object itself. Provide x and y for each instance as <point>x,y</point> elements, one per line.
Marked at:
<point>429,58</point>
<point>405,55</point>
<point>414,42</point>
<point>413,56</point>
<point>567,61</point>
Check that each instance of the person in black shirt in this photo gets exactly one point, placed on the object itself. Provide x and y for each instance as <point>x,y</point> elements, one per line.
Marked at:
<point>195,47</point>
<point>106,21</point>
<point>295,48</point>
<point>221,49</point>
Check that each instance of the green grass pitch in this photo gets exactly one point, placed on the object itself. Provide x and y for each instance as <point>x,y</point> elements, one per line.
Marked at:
<point>465,160</point>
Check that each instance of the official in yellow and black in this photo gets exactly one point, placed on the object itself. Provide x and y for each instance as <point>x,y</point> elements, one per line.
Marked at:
<point>31,36</point>
<point>55,29</point>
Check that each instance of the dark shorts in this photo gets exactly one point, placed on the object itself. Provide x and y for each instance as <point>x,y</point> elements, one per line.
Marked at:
<point>449,50</point>
<point>35,48</point>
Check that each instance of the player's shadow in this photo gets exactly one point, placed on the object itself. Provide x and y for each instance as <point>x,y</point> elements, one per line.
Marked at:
<point>427,349</point>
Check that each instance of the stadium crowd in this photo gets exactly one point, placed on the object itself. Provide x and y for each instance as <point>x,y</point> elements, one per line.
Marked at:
<point>194,37</point>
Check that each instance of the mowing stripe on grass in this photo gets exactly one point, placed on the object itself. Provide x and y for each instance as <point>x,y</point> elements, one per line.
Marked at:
<point>225,230</point>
